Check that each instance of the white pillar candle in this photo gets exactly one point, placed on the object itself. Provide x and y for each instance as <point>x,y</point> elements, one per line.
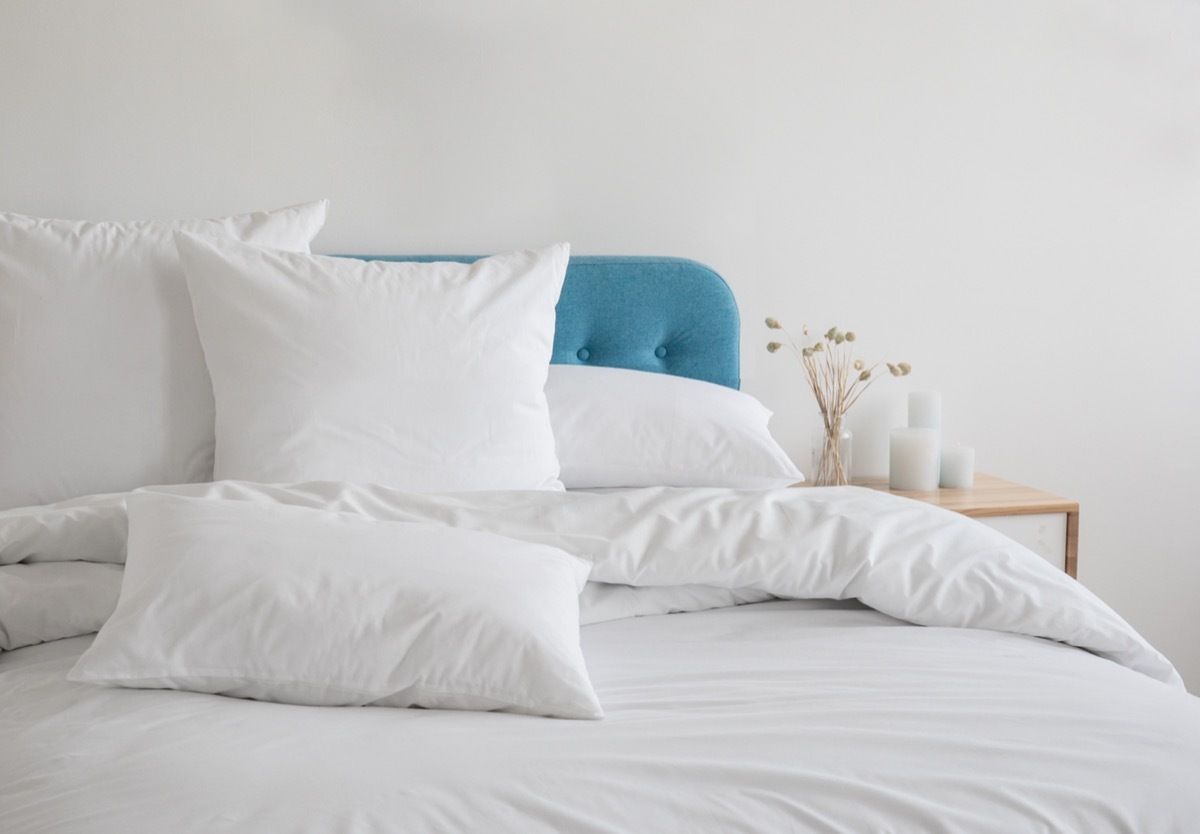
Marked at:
<point>913,461</point>
<point>925,410</point>
<point>958,467</point>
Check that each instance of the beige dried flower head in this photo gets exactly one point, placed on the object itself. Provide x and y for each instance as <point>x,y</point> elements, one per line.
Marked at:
<point>834,374</point>
<point>837,378</point>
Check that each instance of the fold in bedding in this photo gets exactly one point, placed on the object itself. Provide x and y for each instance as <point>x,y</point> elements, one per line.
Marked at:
<point>904,558</point>
<point>52,600</point>
<point>89,529</point>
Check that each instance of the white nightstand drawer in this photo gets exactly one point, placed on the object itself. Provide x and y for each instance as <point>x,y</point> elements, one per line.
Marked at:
<point>1043,533</point>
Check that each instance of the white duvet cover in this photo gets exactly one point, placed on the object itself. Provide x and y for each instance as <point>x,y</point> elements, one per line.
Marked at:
<point>793,715</point>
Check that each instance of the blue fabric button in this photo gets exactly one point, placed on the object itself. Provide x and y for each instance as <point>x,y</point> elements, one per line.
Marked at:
<point>584,354</point>
<point>660,351</point>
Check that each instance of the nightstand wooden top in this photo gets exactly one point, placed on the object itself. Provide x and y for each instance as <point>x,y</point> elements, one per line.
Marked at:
<point>990,496</point>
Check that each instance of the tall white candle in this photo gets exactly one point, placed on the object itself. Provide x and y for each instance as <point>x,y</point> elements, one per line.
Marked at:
<point>925,410</point>
<point>958,467</point>
<point>913,459</point>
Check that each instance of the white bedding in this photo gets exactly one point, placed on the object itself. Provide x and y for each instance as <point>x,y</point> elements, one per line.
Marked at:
<point>50,601</point>
<point>778,716</point>
<point>784,715</point>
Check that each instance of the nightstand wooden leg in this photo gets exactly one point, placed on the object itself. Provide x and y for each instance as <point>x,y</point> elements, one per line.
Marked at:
<point>1072,564</point>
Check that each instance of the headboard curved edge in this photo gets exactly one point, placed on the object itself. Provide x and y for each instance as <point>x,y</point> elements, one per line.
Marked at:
<point>661,314</point>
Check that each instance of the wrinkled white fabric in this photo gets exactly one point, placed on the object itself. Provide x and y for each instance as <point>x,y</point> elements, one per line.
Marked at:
<point>90,529</point>
<point>42,601</point>
<point>908,559</point>
<point>601,601</point>
<point>905,558</point>
<point>797,716</point>
<point>53,600</point>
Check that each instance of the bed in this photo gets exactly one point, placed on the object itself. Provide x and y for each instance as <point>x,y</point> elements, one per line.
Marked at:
<point>744,656</point>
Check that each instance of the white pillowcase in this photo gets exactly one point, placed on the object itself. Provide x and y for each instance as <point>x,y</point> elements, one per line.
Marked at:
<point>303,606</point>
<point>622,428</point>
<point>419,376</point>
<point>102,379</point>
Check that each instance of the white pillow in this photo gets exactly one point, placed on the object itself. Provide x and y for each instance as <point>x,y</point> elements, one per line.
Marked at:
<point>422,377</point>
<point>304,606</point>
<point>621,428</point>
<point>102,379</point>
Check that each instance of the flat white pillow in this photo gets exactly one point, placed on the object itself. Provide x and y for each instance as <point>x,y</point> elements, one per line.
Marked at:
<point>102,379</point>
<point>303,606</point>
<point>622,428</point>
<point>422,377</point>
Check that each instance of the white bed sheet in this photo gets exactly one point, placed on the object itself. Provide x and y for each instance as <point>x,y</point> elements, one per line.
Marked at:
<point>776,716</point>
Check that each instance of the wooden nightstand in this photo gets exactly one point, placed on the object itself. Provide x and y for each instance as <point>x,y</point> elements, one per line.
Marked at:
<point>1045,523</point>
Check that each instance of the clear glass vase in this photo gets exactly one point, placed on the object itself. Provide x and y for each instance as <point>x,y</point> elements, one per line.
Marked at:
<point>832,449</point>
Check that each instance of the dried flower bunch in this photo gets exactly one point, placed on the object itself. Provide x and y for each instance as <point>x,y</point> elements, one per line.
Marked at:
<point>837,379</point>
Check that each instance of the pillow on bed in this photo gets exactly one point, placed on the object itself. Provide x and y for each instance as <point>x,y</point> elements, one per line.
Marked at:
<point>102,379</point>
<point>419,376</point>
<point>304,606</point>
<point>621,428</point>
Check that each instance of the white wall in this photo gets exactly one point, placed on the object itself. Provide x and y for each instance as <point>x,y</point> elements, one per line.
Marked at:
<point>1005,193</point>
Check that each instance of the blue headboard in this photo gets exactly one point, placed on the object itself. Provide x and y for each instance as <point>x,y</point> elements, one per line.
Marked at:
<point>668,315</point>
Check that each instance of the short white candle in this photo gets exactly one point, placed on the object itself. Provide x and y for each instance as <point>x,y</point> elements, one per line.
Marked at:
<point>925,410</point>
<point>958,467</point>
<point>913,459</point>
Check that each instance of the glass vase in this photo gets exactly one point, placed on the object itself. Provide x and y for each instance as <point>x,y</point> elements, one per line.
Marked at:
<point>832,448</point>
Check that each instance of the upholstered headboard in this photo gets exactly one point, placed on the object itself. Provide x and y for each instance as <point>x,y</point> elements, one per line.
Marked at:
<point>668,315</point>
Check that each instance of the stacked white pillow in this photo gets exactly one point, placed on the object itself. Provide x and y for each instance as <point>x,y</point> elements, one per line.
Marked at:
<point>430,377</point>
<point>160,353</point>
<point>422,377</point>
<point>102,380</point>
<point>623,428</point>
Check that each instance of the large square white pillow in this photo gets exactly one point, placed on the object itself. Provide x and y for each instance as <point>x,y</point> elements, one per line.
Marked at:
<point>419,376</point>
<point>303,606</point>
<point>622,428</point>
<point>102,381</point>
